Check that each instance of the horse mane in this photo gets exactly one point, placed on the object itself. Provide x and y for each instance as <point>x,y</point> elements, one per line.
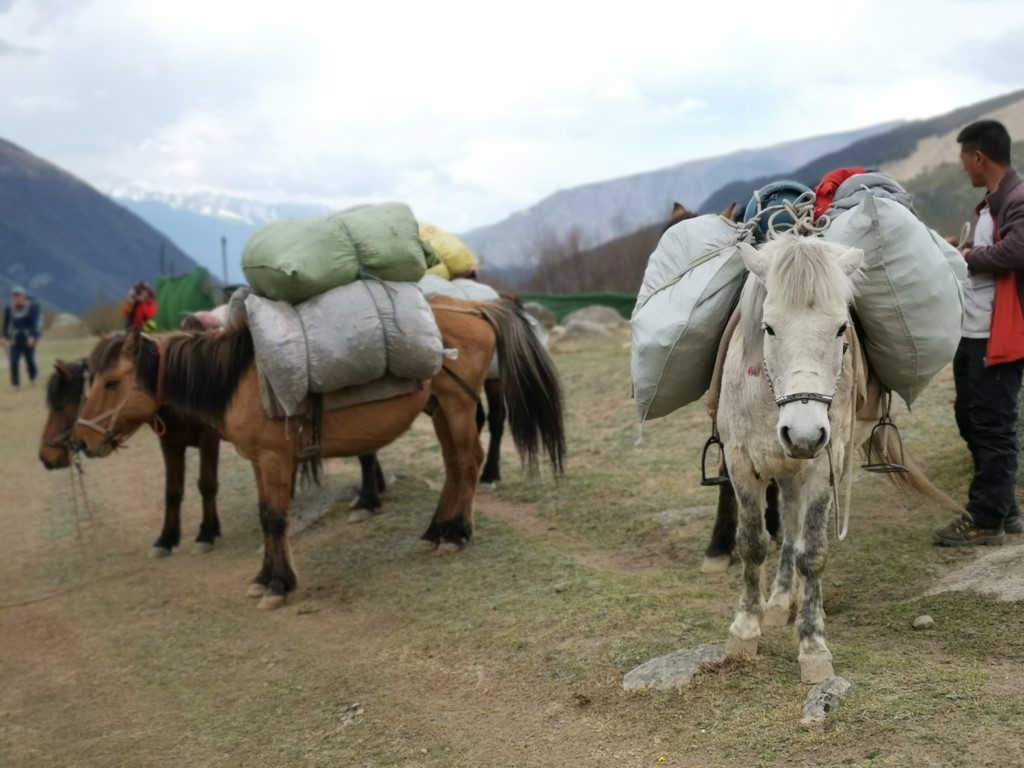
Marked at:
<point>62,392</point>
<point>803,274</point>
<point>201,371</point>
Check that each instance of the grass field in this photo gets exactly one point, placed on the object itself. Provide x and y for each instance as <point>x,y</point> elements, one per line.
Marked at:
<point>510,653</point>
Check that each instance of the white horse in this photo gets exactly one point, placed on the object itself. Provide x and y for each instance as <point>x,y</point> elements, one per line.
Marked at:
<point>797,398</point>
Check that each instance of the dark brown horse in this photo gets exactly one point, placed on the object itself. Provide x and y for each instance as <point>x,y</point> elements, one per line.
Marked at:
<point>64,397</point>
<point>215,378</point>
<point>180,431</point>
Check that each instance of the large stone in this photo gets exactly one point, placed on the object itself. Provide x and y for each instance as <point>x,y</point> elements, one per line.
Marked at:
<point>598,315</point>
<point>823,698</point>
<point>579,328</point>
<point>541,314</point>
<point>673,670</point>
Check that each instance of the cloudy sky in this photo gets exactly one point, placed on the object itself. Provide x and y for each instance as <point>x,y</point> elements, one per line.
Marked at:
<point>468,109</point>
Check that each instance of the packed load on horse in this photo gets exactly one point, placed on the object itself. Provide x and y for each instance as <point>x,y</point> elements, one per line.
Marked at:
<point>908,306</point>
<point>295,259</point>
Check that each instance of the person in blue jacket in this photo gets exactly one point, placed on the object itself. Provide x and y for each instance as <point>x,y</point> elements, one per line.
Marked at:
<point>22,326</point>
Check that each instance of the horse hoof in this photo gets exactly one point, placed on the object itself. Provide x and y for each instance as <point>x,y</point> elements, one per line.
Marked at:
<point>158,553</point>
<point>719,564</point>
<point>448,548</point>
<point>775,615</point>
<point>738,647</point>
<point>814,669</point>
<point>359,516</point>
<point>425,546</point>
<point>270,602</point>
<point>489,487</point>
<point>202,548</point>
<point>256,590</point>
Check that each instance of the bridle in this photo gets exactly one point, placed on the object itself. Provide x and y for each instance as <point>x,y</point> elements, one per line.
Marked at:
<point>104,423</point>
<point>65,439</point>
<point>805,397</point>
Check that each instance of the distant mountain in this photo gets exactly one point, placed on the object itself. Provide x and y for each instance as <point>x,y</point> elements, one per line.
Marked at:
<point>197,222</point>
<point>921,155</point>
<point>878,151</point>
<point>609,209</point>
<point>68,243</point>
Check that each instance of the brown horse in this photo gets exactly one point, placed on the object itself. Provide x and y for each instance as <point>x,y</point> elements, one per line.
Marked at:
<point>182,430</point>
<point>215,377</point>
<point>64,393</point>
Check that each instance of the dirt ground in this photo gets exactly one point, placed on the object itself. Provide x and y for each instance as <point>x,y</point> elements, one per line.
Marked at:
<point>510,653</point>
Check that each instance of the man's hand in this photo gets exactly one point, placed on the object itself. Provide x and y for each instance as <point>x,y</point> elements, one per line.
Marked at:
<point>31,342</point>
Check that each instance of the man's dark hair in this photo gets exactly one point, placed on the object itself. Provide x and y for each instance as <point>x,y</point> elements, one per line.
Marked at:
<point>988,137</point>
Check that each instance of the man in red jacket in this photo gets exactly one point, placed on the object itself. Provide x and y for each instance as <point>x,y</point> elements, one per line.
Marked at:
<point>989,362</point>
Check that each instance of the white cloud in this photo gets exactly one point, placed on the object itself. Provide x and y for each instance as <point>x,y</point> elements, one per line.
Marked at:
<point>467,110</point>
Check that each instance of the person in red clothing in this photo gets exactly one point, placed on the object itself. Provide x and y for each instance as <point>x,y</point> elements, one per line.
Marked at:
<point>139,309</point>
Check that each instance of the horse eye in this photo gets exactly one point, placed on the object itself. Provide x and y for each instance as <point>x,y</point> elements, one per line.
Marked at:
<point>768,329</point>
<point>842,331</point>
<point>112,384</point>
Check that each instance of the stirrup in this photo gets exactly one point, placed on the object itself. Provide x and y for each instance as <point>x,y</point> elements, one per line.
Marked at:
<point>713,441</point>
<point>883,463</point>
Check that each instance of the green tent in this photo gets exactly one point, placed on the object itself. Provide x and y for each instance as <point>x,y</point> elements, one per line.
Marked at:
<point>177,296</point>
<point>564,304</point>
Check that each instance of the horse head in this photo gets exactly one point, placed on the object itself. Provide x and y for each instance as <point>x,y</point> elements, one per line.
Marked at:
<point>120,398</point>
<point>63,398</point>
<point>805,319</point>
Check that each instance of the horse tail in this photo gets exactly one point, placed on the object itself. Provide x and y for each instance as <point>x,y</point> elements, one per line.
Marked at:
<point>886,443</point>
<point>530,386</point>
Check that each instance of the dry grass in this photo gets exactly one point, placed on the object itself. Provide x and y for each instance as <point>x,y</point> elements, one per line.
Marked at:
<point>509,654</point>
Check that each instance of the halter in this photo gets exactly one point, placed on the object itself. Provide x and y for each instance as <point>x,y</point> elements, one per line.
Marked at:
<point>156,423</point>
<point>804,397</point>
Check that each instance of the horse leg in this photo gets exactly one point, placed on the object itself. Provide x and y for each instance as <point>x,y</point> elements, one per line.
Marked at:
<point>811,555</point>
<point>452,524</point>
<point>718,555</point>
<point>372,482</point>
<point>752,541</point>
<point>209,458</point>
<point>276,578</point>
<point>174,490</point>
<point>771,515</point>
<point>496,427</point>
<point>781,606</point>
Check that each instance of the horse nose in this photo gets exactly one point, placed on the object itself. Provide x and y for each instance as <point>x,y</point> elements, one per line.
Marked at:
<point>803,443</point>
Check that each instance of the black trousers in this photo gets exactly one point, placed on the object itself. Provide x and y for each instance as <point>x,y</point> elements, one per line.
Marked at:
<point>19,350</point>
<point>986,414</point>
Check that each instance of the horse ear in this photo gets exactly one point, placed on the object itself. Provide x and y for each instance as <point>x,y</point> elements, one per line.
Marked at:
<point>63,370</point>
<point>851,260</point>
<point>679,210</point>
<point>131,343</point>
<point>756,261</point>
<point>730,211</point>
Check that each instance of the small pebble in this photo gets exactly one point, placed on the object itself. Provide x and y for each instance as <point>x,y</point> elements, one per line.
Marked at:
<point>562,586</point>
<point>924,622</point>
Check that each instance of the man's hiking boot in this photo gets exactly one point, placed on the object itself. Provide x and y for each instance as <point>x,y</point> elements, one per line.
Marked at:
<point>962,532</point>
<point>1013,525</point>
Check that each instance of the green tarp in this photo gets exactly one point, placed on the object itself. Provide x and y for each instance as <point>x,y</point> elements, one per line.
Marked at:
<point>177,296</point>
<point>564,304</point>
<point>295,259</point>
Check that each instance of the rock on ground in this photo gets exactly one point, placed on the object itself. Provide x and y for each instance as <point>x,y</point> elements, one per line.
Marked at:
<point>598,315</point>
<point>673,670</point>
<point>823,698</point>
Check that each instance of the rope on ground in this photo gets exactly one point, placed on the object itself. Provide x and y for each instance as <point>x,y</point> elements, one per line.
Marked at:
<point>82,518</point>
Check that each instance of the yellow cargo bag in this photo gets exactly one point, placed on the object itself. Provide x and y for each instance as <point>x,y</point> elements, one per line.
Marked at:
<point>456,258</point>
